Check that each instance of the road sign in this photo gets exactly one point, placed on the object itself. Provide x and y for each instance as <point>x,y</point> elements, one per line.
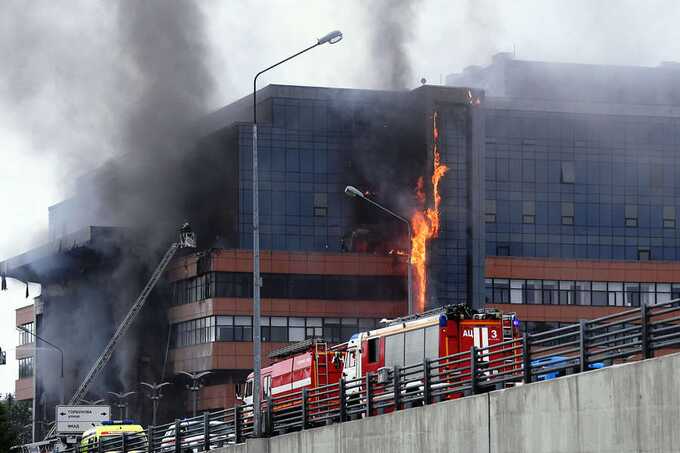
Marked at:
<point>76,419</point>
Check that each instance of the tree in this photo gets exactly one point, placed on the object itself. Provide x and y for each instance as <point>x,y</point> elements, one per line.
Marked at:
<point>7,435</point>
<point>15,416</point>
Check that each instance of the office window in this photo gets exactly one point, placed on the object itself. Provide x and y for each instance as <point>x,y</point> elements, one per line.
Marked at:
<point>615,294</point>
<point>502,250</point>
<point>314,328</point>
<point>26,337</point>
<point>567,173</point>
<point>296,329</point>
<point>501,291</point>
<point>532,292</point>
<point>631,215</point>
<point>274,329</point>
<point>320,204</point>
<point>582,293</point>
<point>25,367</point>
<point>566,293</point>
<point>490,213</point>
<point>528,212</point>
<point>644,254</point>
<point>224,328</point>
<point>567,213</point>
<point>243,328</point>
<point>632,294</point>
<point>599,295</point>
<point>550,292</point>
<point>516,291</point>
<point>332,329</point>
<point>669,216</point>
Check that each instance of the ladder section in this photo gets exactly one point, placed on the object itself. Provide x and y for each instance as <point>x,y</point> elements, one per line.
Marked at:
<point>321,357</point>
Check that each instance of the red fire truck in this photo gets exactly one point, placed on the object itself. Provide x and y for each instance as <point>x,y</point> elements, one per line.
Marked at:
<point>307,364</point>
<point>432,335</point>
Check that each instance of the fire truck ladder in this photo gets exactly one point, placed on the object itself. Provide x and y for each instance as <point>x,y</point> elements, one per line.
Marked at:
<point>186,240</point>
<point>320,355</point>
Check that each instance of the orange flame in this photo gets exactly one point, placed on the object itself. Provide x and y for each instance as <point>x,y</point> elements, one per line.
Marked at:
<point>425,223</point>
<point>397,252</point>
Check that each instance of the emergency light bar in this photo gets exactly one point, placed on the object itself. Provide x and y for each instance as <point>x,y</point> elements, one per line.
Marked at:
<point>126,421</point>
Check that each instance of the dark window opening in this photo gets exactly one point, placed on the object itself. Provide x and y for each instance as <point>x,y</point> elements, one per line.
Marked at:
<point>490,212</point>
<point>567,213</point>
<point>631,215</point>
<point>320,204</point>
<point>502,250</point>
<point>669,217</point>
<point>528,212</point>
<point>373,350</point>
<point>567,173</point>
<point>644,255</point>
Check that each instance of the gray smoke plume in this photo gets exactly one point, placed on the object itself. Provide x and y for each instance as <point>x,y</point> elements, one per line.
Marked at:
<point>392,25</point>
<point>122,82</point>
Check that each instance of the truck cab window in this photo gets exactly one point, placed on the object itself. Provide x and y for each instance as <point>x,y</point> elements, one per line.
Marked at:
<point>267,385</point>
<point>373,350</point>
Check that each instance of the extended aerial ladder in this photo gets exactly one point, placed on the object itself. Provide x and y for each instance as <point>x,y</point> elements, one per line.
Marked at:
<point>187,239</point>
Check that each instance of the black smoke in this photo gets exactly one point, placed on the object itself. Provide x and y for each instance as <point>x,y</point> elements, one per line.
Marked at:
<point>392,25</point>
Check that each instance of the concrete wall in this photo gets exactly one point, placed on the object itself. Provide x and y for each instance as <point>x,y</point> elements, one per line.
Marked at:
<point>627,408</point>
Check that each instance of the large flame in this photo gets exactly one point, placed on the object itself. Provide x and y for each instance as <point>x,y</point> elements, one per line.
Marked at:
<point>425,223</point>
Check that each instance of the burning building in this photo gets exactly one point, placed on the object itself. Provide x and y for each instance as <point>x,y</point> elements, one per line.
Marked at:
<point>326,261</point>
<point>548,190</point>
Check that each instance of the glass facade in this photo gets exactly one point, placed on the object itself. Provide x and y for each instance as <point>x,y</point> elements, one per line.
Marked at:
<point>561,292</point>
<point>289,286</point>
<point>601,186</point>
<point>281,329</point>
<point>456,262</point>
<point>300,158</point>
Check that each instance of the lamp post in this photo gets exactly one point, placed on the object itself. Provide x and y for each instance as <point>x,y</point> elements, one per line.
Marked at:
<point>154,395</point>
<point>121,403</point>
<point>352,191</point>
<point>195,386</point>
<point>61,359</point>
<point>331,38</point>
<point>92,403</point>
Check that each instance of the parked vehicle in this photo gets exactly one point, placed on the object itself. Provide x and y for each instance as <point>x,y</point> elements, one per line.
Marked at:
<point>307,364</point>
<point>191,436</point>
<point>432,335</point>
<point>110,434</point>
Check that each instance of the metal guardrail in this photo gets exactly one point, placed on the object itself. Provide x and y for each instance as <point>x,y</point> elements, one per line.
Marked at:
<point>634,334</point>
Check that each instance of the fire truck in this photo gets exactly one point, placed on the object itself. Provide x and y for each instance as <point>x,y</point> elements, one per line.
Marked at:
<point>306,364</point>
<point>431,335</point>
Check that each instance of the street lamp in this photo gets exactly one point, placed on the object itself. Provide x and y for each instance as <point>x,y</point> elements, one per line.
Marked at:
<point>61,357</point>
<point>154,395</point>
<point>92,403</point>
<point>330,38</point>
<point>352,191</point>
<point>121,403</point>
<point>195,386</point>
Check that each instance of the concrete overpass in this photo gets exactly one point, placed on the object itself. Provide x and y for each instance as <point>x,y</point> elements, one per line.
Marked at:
<point>632,407</point>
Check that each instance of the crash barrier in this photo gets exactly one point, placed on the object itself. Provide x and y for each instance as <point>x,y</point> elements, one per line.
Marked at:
<point>629,335</point>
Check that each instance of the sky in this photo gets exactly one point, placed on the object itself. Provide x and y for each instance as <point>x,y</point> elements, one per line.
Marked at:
<point>62,61</point>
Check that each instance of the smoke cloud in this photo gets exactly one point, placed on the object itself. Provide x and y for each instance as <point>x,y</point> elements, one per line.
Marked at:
<point>122,82</point>
<point>392,25</point>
